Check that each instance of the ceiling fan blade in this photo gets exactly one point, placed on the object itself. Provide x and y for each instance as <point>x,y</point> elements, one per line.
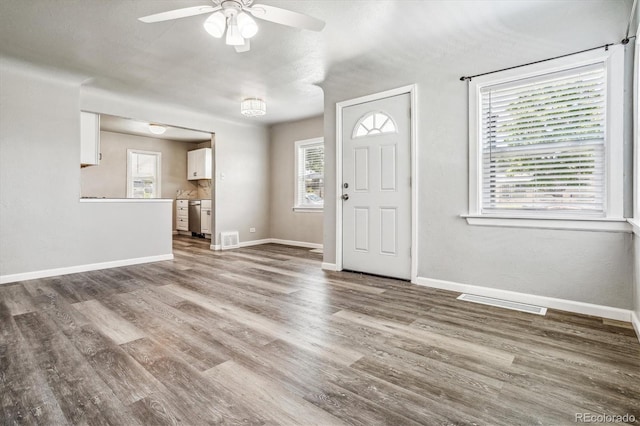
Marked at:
<point>245,47</point>
<point>178,13</point>
<point>286,17</point>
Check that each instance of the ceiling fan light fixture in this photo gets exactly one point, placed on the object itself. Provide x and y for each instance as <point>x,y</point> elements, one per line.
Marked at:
<point>234,38</point>
<point>157,129</point>
<point>247,25</point>
<point>253,107</point>
<point>215,24</point>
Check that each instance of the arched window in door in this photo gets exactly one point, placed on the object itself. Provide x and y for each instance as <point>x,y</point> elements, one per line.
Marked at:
<point>374,123</point>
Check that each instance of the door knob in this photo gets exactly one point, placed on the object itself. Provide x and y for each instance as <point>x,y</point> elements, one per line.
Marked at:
<point>345,197</point>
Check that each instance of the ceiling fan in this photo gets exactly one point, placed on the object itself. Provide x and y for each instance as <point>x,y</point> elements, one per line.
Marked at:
<point>234,16</point>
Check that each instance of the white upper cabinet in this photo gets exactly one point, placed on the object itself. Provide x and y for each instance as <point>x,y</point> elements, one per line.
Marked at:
<point>89,139</point>
<point>199,164</point>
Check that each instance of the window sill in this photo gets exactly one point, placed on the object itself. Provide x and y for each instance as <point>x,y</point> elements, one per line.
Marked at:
<point>308,209</point>
<point>635,225</point>
<point>596,224</point>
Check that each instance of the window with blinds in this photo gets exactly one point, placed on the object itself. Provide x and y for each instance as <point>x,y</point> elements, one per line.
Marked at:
<point>143,174</point>
<point>542,143</point>
<point>310,174</point>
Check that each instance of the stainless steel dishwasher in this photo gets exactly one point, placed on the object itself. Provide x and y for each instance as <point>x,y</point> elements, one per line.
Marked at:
<point>195,224</point>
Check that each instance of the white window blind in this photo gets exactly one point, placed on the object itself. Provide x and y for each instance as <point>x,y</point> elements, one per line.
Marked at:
<point>543,143</point>
<point>310,174</point>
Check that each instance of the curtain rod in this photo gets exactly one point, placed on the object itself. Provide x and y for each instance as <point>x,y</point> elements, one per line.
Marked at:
<point>604,46</point>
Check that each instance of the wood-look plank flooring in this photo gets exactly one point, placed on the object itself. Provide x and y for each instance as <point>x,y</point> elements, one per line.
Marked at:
<point>262,335</point>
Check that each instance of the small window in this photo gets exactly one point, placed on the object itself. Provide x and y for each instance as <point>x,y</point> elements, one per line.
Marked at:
<point>374,123</point>
<point>143,174</point>
<point>309,162</point>
<point>546,142</point>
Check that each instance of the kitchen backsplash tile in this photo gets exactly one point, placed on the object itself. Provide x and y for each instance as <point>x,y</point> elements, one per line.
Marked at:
<point>186,194</point>
<point>204,189</point>
<point>203,192</point>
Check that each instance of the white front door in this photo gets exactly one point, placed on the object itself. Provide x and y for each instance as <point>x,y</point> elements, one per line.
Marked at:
<point>376,187</point>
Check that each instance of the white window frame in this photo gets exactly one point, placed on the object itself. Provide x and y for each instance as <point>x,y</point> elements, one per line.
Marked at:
<point>635,222</point>
<point>299,145</point>
<point>613,60</point>
<point>158,155</point>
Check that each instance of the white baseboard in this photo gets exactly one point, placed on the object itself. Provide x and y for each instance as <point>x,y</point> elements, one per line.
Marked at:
<point>635,320</point>
<point>531,299</point>
<point>295,243</point>
<point>271,241</point>
<point>329,266</point>
<point>254,242</point>
<point>5,279</point>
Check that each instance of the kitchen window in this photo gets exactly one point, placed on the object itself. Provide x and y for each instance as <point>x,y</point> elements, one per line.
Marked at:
<point>309,161</point>
<point>546,141</point>
<point>143,174</point>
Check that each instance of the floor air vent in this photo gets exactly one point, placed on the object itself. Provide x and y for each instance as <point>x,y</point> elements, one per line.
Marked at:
<point>229,240</point>
<point>523,307</point>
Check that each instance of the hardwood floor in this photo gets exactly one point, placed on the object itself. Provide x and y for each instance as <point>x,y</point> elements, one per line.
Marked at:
<point>262,335</point>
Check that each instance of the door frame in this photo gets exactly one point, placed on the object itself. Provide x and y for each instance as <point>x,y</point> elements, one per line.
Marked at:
<point>412,90</point>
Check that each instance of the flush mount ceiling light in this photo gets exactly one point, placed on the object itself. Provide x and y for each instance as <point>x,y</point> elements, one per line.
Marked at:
<point>157,129</point>
<point>235,16</point>
<point>253,107</point>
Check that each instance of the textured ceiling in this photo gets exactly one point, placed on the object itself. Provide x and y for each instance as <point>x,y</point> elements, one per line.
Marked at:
<point>179,63</point>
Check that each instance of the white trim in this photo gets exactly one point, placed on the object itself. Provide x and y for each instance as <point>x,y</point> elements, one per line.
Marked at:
<point>636,130</point>
<point>414,181</point>
<point>125,200</point>
<point>412,90</point>
<point>329,266</point>
<point>300,144</point>
<point>255,242</point>
<point>635,226</point>
<point>636,324</point>
<point>613,58</point>
<point>308,209</point>
<point>5,279</point>
<point>547,302</point>
<point>272,241</point>
<point>615,132</point>
<point>601,225</point>
<point>295,243</point>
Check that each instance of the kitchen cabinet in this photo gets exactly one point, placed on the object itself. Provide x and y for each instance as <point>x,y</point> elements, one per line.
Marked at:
<point>182,215</point>
<point>89,139</point>
<point>205,217</point>
<point>199,164</point>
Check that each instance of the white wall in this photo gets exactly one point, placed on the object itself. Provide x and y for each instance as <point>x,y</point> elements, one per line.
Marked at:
<point>591,267</point>
<point>287,224</point>
<point>42,223</point>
